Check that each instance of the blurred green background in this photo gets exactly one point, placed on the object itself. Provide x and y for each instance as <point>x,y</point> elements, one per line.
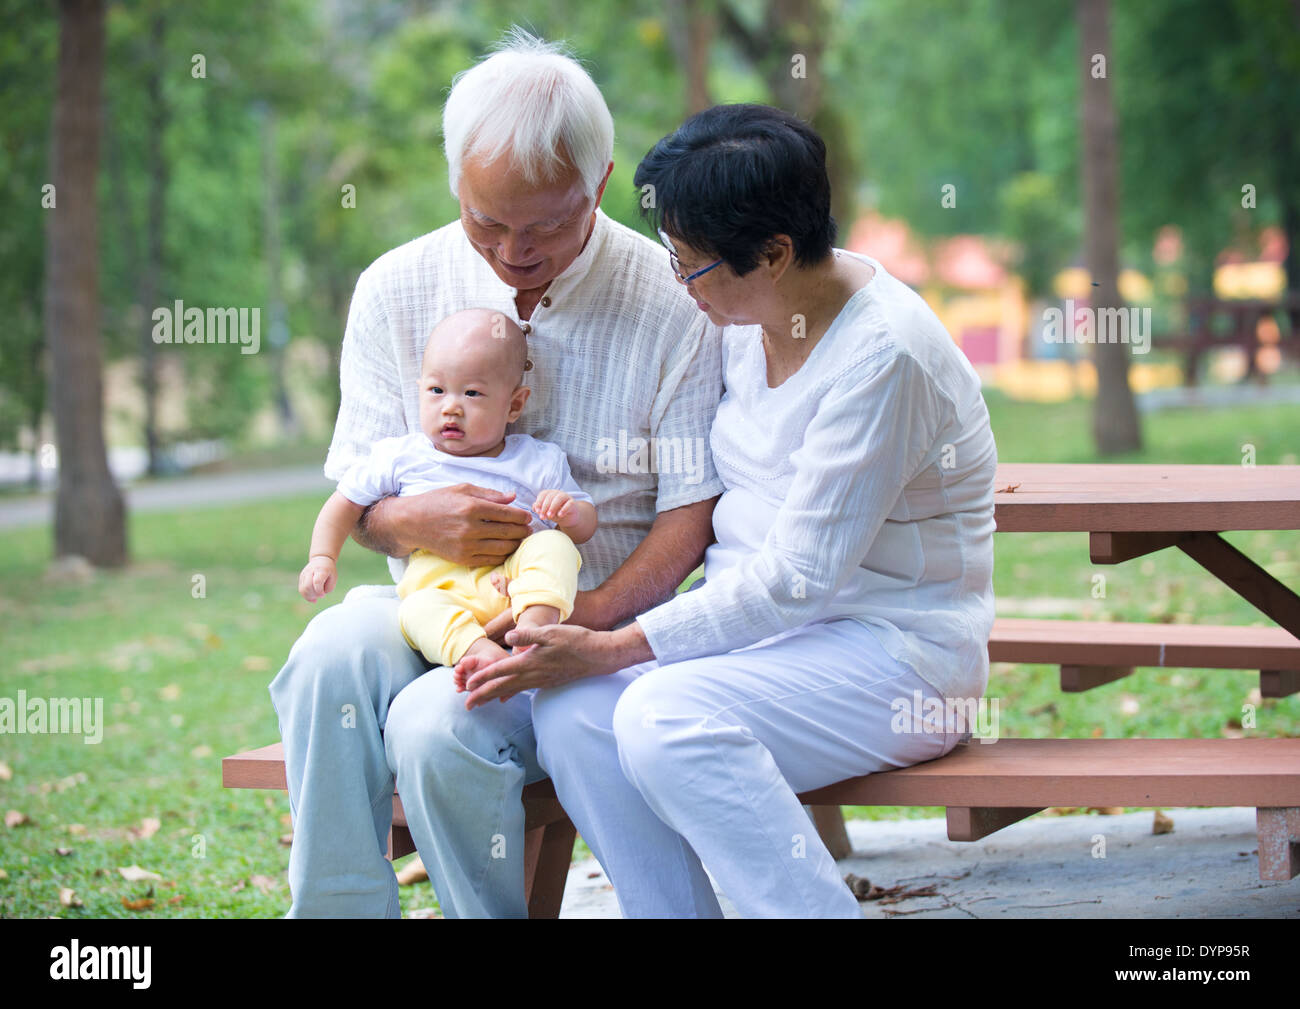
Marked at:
<point>311,144</point>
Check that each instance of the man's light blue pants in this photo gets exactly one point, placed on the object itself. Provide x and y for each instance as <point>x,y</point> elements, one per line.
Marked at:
<point>361,712</point>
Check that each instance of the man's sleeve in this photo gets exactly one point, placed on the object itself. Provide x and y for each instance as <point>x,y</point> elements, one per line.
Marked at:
<point>689,392</point>
<point>370,406</point>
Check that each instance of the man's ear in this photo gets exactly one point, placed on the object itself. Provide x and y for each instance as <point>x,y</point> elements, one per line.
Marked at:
<point>517,400</point>
<point>600,191</point>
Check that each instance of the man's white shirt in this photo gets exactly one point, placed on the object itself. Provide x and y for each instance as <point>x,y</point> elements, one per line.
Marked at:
<point>626,377</point>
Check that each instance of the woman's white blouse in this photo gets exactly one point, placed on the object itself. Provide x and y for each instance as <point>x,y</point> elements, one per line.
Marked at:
<point>862,488</point>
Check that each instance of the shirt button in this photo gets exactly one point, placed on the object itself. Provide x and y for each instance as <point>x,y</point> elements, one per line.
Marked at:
<point>526,328</point>
<point>546,302</point>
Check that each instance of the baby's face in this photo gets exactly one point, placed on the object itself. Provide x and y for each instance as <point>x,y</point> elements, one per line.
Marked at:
<point>467,396</point>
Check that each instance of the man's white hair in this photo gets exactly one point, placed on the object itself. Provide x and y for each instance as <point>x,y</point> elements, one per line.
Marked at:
<point>530,97</point>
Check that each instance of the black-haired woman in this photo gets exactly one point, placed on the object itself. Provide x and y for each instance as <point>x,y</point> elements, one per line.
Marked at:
<point>842,624</point>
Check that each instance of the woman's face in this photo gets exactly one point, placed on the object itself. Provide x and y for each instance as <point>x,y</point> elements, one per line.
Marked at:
<point>725,297</point>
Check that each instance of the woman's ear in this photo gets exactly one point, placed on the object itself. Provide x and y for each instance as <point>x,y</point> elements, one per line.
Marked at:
<point>778,255</point>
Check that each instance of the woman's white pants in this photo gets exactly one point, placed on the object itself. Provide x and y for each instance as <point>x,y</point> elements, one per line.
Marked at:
<point>664,767</point>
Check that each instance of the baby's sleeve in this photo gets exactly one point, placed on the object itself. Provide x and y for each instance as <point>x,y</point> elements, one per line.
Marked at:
<point>564,479</point>
<point>375,477</point>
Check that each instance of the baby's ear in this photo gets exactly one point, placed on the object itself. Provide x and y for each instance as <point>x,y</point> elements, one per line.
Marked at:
<point>517,400</point>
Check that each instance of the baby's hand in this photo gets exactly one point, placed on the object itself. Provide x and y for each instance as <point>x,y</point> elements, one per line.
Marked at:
<point>317,578</point>
<point>556,506</point>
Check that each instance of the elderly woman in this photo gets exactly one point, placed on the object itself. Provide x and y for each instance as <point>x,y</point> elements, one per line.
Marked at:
<point>851,579</point>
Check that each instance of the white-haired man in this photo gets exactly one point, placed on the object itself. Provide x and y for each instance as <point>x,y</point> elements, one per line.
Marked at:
<point>620,353</point>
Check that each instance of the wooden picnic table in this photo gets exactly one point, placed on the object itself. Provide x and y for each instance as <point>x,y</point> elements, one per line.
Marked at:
<point>1130,510</point>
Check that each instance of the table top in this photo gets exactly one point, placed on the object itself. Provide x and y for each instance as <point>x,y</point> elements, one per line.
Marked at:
<point>1121,497</point>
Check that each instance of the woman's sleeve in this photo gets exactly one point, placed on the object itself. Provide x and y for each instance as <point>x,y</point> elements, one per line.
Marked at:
<point>866,442</point>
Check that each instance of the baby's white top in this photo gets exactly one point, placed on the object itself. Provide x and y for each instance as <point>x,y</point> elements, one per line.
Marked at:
<point>411,464</point>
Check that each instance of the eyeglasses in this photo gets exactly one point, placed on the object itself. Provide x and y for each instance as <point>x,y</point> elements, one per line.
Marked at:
<point>676,263</point>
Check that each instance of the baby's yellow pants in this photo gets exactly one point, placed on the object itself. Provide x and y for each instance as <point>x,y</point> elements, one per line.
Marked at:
<point>445,605</point>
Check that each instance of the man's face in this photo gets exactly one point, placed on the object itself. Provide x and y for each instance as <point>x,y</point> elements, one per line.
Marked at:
<point>528,234</point>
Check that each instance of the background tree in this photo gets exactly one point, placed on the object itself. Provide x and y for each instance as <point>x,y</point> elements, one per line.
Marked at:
<point>1114,417</point>
<point>89,516</point>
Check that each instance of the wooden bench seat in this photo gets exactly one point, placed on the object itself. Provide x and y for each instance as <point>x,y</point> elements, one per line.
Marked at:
<point>984,786</point>
<point>1092,652</point>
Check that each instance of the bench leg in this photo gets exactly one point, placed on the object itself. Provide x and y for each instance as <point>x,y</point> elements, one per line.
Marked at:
<point>399,842</point>
<point>1279,842</point>
<point>973,822</point>
<point>1076,679</point>
<point>548,851</point>
<point>829,821</point>
<point>1278,682</point>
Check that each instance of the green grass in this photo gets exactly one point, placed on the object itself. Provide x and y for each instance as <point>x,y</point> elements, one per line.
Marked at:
<point>184,679</point>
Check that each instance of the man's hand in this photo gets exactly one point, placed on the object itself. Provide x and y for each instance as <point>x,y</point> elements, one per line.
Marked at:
<point>318,578</point>
<point>466,524</point>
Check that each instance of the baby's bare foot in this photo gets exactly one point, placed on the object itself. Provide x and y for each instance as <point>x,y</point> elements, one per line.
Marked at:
<point>480,654</point>
<point>536,616</point>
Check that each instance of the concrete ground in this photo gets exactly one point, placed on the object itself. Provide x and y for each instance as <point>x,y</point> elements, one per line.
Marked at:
<point>1043,867</point>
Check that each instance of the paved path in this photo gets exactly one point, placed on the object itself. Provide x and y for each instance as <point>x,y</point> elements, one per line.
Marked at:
<point>1044,868</point>
<point>184,492</point>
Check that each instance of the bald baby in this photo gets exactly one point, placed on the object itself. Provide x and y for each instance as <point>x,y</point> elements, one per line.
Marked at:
<point>471,381</point>
<point>482,333</point>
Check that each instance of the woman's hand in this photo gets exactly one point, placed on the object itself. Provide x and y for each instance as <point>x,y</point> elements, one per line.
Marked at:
<point>556,654</point>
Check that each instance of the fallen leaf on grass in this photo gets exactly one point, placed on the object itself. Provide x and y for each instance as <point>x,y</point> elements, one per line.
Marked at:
<point>148,827</point>
<point>6,772</point>
<point>175,900</point>
<point>133,873</point>
<point>143,904</point>
<point>256,663</point>
<point>68,897</point>
<point>239,886</point>
<point>201,751</point>
<point>287,839</point>
<point>171,692</point>
<point>3,874</point>
<point>77,829</point>
<point>1162,824</point>
<point>13,818</point>
<point>63,851</point>
<point>264,883</point>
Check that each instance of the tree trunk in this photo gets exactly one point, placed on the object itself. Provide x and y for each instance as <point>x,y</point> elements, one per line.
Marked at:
<point>1115,421</point>
<point>691,24</point>
<point>279,315</point>
<point>89,516</point>
<point>151,274</point>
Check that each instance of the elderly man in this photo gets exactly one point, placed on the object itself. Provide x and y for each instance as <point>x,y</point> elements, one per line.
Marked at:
<point>620,354</point>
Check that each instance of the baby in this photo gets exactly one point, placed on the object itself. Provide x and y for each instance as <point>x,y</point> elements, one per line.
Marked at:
<point>471,387</point>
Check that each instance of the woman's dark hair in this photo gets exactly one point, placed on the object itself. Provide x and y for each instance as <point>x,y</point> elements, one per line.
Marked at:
<point>732,177</point>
